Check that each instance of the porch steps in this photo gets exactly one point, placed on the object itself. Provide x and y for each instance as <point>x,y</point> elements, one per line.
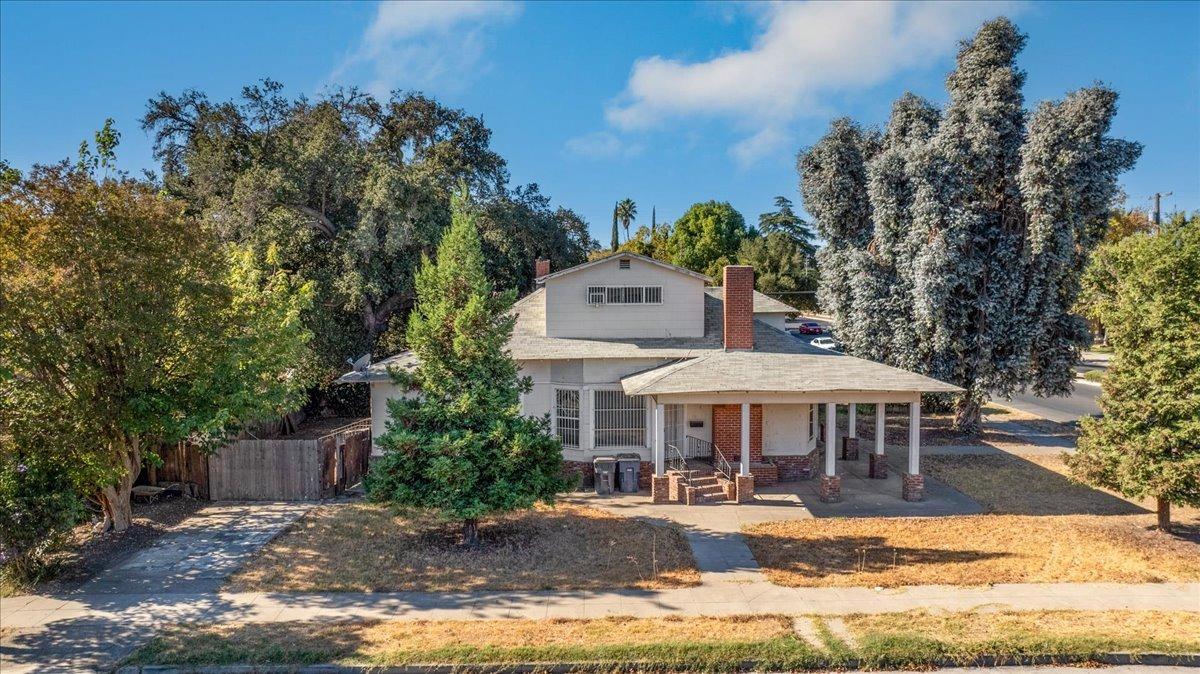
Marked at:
<point>704,486</point>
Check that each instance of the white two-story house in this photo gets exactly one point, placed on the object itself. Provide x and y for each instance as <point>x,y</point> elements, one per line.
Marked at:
<point>632,355</point>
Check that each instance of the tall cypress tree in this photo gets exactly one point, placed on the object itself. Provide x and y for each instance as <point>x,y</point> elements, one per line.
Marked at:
<point>959,254</point>
<point>616,236</point>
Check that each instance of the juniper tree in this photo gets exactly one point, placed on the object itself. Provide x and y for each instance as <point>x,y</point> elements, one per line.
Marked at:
<point>461,448</point>
<point>834,186</point>
<point>961,255</point>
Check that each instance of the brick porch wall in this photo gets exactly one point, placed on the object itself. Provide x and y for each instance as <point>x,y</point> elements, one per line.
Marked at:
<point>727,431</point>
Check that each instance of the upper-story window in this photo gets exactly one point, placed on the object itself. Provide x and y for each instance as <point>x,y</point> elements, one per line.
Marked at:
<point>624,295</point>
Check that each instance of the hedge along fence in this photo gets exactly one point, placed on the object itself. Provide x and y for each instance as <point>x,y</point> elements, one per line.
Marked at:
<point>277,469</point>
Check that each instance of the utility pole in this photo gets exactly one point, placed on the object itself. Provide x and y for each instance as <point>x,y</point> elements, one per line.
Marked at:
<point>1158,209</point>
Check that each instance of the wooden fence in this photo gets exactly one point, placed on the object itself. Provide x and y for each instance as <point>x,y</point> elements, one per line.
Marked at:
<point>279,469</point>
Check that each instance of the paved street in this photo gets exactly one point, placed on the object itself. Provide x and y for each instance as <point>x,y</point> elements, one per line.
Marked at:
<point>1064,409</point>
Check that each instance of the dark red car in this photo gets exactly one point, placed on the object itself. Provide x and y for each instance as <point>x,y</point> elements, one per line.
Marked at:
<point>810,328</point>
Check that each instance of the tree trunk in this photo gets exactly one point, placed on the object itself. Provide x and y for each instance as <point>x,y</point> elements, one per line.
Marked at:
<point>116,498</point>
<point>1164,515</point>
<point>470,533</point>
<point>968,414</point>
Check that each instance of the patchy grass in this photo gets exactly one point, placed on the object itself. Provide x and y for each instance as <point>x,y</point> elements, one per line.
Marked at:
<point>914,639</point>
<point>367,548</point>
<point>680,644</point>
<point>1023,485</point>
<point>972,550</point>
<point>1095,376</point>
<point>937,429</point>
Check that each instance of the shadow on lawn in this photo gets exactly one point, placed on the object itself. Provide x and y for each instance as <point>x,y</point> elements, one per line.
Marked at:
<point>1008,484</point>
<point>851,555</point>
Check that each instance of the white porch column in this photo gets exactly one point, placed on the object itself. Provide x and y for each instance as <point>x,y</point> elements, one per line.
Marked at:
<point>914,437</point>
<point>880,423</point>
<point>853,433</point>
<point>660,441</point>
<point>745,467</point>
<point>830,439</point>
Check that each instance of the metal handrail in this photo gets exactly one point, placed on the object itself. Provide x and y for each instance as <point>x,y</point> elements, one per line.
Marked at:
<point>698,448</point>
<point>721,464</point>
<point>678,463</point>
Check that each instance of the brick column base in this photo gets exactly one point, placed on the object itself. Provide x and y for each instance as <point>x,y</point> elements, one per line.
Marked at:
<point>744,488</point>
<point>914,487</point>
<point>878,470</point>
<point>830,489</point>
<point>660,489</point>
<point>849,449</point>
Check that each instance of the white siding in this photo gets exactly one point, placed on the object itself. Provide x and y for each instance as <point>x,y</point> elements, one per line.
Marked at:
<point>785,429</point>
<point>681,313</point>
<point>776,320</point>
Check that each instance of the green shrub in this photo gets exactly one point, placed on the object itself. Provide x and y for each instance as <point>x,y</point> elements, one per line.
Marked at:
<point>39,506</point>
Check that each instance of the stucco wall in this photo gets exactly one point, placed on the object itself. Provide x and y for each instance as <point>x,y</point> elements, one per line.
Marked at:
<point>381,392</point>
<point>777,321</point>
<point>681,313</point>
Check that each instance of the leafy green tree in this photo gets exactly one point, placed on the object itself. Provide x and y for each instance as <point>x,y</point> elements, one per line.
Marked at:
<point>707,237</point>
<point>350,192</point>
<point>1147,443</point>
<point>626,212</point>
<point>462,448</point>
<point>784,219</point>
<point>126,320</point>
<point>781,268</point>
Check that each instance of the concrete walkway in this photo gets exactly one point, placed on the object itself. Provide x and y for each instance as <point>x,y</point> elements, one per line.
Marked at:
<point>174,578</point>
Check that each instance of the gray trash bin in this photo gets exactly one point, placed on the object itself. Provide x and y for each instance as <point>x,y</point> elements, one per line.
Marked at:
<point>628,466</point>
<point>606,473</point>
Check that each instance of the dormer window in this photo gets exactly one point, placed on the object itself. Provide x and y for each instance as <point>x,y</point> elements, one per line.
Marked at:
<point>624,295</point>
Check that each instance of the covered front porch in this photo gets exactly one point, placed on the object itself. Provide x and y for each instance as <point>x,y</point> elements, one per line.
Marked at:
<point>729,446</point>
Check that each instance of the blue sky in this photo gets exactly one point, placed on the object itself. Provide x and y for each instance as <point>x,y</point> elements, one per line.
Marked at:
<point>666,103</point>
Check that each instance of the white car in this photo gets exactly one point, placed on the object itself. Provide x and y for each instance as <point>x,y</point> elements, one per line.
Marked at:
<point>825,343</point>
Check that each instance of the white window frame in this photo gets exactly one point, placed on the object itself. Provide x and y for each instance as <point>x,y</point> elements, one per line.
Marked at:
<point>558,432</point>
<point>620,294</point>
<point>598,431</point>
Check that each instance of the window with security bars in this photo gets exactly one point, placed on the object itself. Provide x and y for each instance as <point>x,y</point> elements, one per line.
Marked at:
<point>673,425</point>
<point>619,420</point>
<point>624,294</point>
<point>566,416</point>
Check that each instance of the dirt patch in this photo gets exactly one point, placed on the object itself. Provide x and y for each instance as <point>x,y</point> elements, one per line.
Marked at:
<point>368,548</point>
<point>89,553</point>
<point>973,550</point>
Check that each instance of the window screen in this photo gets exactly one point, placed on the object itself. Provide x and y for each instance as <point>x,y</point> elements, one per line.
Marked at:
<point>566,416</point>
<point>620,420</point>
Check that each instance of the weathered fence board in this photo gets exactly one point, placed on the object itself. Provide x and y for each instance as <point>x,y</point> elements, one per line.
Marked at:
<point>289,469</point>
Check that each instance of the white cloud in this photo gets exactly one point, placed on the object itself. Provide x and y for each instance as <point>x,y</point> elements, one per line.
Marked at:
<point>416,44</point>
<point>601,145</point>
<point>803,53</point>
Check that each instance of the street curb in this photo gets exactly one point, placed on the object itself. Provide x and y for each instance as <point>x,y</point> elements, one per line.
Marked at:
<point>1145,659</point>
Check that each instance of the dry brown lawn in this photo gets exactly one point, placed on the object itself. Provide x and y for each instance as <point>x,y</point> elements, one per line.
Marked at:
<point>971,550</point>
<point>1002,625</point>
<point>367,548</point>
<point>937,429</point>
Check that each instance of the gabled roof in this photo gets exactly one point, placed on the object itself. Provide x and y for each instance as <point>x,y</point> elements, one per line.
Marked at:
<point>632,256</point>
<point>759,372</point>
<point>763,304</point>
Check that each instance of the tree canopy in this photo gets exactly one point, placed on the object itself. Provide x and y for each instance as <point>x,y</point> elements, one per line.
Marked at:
<point>956,239</point>
<point>349,192</point>
<point>462,448</point>
<point>126,324</point>
<point>1147,443</point>
<point>707,237</point>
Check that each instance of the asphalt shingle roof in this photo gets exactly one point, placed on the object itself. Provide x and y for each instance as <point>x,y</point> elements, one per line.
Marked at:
<point>778,363</point>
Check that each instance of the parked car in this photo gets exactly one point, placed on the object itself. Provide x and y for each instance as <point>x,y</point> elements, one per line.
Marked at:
<point>826,343</point>
<point>810,328</point>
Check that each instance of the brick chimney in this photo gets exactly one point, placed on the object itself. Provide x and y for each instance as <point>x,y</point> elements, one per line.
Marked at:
<point>541,268</point>
<point>739,307</point>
